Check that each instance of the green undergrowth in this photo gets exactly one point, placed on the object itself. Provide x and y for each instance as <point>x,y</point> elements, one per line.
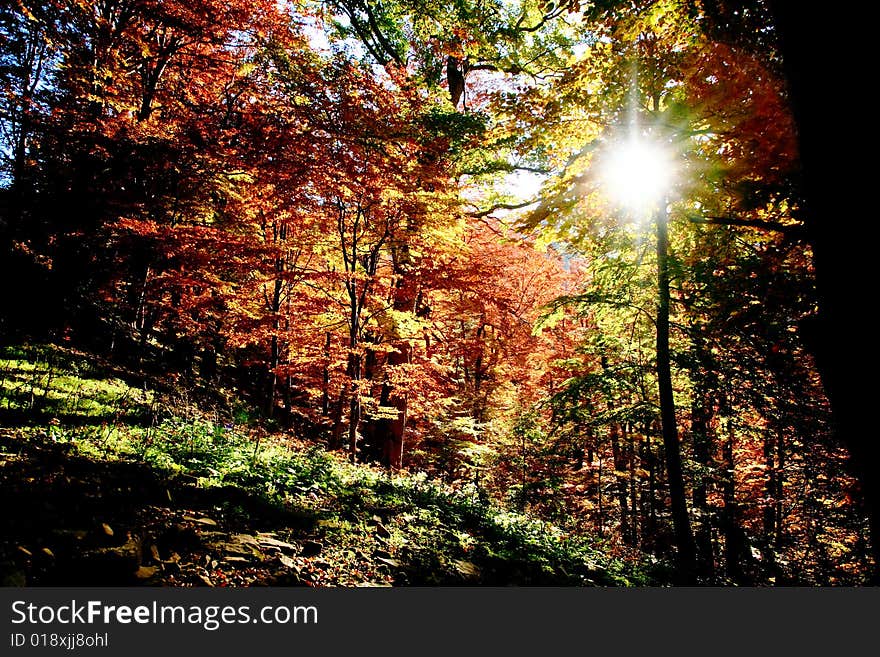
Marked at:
<point>44,382</point>
<point>417,530</point>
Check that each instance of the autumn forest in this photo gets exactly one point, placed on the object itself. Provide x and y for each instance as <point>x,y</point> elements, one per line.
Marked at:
<point>346,292</point>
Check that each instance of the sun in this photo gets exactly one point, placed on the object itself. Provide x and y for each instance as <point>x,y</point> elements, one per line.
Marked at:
<point>636,174</point>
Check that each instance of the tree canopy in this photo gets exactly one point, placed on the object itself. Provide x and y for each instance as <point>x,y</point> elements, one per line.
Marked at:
<point>434,238</point>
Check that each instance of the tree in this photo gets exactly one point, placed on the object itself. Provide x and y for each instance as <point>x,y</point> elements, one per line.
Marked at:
<point>716,101</point>
<point>825,171</point>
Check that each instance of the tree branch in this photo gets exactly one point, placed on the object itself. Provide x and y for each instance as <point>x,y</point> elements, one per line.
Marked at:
<point>501,206</point>
<point>775,226</point>
<point>553,13</point>
<point>495,167</point>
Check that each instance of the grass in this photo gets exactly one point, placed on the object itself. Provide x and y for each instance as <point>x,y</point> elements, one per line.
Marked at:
<point>42,382</point>
<point>411,529</point>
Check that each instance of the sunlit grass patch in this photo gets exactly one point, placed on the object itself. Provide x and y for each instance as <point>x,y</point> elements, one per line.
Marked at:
<point>47,381</point>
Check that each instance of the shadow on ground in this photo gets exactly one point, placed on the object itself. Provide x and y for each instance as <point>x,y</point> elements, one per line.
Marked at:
<point>69,520</point>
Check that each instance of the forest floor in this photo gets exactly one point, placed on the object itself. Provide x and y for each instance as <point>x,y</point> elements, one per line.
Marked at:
<point>103,485</point>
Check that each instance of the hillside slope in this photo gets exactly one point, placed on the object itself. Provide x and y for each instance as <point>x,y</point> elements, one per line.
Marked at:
<point>106,484</point>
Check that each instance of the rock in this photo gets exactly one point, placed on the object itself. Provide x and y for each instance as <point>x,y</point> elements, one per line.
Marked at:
<point>146,572</point>
<point>103,535</point>
<point>154,553</point>
<point>245,545</point>
<point>109,565</point>
<point>288,563</point>
<point>268,541</point>
<point>179,538</point>
<point>74,539</point>
<point>201,520</point>
<point>241,545</point>
<point>289,578</point>
<point>382,530</point>
<point>311,549</point>
<point>394,563</point>
<point>204,579</point>
<point>246,539</point>
<point>466,568</point>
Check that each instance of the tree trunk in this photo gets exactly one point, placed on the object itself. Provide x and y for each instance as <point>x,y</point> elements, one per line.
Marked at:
<point>354,419</point>
<point>649,515</point>
<point>601,510</point>
<point>391,432</point>
<point>354,401</point>
<point>701,416</point>
<point>620,481</point>
<point>769,511</point>
<point>335,441</point>
<point>733,546</point>
<point>817,80</point>
<point>684,538</point>
<point>325,391</point>
<point>272,383</point>
<point>633,487</point>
